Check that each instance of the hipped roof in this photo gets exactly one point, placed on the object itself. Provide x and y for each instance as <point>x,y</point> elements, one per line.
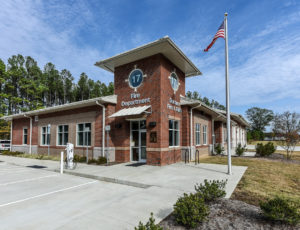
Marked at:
<point>163,46</point>
<point>75,105</point>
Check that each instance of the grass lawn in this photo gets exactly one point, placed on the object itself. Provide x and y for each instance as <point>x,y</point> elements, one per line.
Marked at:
<point>263,179</point>
<point>265,142</point>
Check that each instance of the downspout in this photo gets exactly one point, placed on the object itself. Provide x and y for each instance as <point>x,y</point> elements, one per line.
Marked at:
<point>103,126</point>
<point>213,135</point>
<point>30,146</point>
<point>11,130</point>
<point>191,126</point>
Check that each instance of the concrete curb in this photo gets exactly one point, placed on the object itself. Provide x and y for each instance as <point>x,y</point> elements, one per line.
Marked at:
<point>106,179</point>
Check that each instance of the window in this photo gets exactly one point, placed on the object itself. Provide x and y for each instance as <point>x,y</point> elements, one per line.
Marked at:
<point>197,134</point>
<point>173,133</point>
<point>25,136</point>
<point>174,81</point>
<point>84,134</point>
<point>62,134</point>
<point>205,134</point>
<point>46,135</point>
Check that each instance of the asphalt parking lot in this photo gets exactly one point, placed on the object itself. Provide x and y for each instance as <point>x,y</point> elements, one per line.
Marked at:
<point>35,198</point>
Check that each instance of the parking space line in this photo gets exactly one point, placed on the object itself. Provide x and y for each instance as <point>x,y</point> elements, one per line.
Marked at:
<point>47,194</point>
<point>17,171</point>
<point>26,180</point>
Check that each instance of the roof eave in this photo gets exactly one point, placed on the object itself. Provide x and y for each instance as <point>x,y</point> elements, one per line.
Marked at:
<point>103,64</point>
<point>74,105</point>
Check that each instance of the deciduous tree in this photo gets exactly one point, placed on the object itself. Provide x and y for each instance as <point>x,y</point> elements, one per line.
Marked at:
<point>286,127</point>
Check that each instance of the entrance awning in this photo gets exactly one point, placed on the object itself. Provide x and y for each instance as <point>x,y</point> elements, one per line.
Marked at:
<point>131,111</point>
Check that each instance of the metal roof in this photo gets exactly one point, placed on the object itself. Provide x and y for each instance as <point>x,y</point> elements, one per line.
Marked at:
<point>220,114</point>
<point>131,111</point>
<point>164,46</point>
<point>112,99</point>
<point>236,116</point>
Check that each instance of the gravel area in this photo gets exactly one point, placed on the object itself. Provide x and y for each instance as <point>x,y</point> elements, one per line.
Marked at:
<point>226,214</point>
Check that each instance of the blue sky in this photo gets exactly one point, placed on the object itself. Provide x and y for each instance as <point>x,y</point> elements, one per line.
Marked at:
<point>264,41</point>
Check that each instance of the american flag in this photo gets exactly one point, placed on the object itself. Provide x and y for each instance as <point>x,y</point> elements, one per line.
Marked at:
<point>220,34</point>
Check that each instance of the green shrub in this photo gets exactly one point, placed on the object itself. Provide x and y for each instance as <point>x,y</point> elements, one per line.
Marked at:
<point>219,149</point>
<point>281,209</point>
<point>269,148</point>
<point>150,225</point>
<point>10,153</point>
<point>265,150</point>
<point>211,190</point>
<point>190,210</point>
<point>101,160</point>
<point>80,159</point>
<point>92,161</point>
<point>239,151</point>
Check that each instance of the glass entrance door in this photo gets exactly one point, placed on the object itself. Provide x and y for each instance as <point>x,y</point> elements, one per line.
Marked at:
<point>138,141</point>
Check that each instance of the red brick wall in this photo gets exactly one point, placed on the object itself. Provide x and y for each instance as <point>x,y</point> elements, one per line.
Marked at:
<point>157,87</point>
<point>18,125</point>
<point>218,131</point>
<point>185,126</point>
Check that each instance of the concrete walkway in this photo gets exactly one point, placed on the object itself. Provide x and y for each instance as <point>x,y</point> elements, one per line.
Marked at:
<point>135,192</point>
<point>297,148</point>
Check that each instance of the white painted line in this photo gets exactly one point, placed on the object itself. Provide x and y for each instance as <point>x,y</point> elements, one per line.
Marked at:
<point>26,180</point>
<point>24,170</point>
<point>47,194</point>
<point>10,169</point>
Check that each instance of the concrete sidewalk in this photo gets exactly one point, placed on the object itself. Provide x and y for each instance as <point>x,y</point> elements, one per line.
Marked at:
<point>135,192</point>
<point>181,177</point>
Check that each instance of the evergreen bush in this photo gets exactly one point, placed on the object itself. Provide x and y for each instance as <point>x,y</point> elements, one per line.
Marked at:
<point>219,149</point>
<point>190,210</point>
<point>150,225</point>
<point>265,150</point>
<point>211,190</point>
<point>80,159</point>
<point>281,209</point>
<point>239,151</point>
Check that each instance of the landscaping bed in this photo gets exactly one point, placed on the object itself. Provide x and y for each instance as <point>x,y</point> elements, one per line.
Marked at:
<point>264,178</point>
<point>231,214</point>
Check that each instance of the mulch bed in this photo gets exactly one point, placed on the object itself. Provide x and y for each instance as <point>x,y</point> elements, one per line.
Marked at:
<point>226,214</point>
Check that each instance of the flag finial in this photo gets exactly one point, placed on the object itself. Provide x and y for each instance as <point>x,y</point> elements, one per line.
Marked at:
<point>226,14</point>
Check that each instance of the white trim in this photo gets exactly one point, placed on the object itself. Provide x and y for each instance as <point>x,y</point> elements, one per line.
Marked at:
<point>174,146</point>
<point>199,134</point>
<point>140,146</point>
<point>57,128</point>
<point>25,127</point>
<point>83,132</point>
<point>206,142</point>
<point>41,143</point>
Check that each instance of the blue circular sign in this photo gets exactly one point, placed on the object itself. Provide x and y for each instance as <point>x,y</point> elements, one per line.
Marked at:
<point>135,78</point>
<point>174,81</point>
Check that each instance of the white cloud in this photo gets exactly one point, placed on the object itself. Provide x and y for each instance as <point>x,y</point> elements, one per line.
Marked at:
<point>264,68</point>
<point>29,31</point>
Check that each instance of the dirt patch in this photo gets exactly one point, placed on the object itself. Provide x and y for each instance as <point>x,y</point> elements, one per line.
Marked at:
<point>226,214</point>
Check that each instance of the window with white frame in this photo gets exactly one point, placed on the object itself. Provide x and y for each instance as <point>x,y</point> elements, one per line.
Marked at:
<point>205,134</point>
<point>25,136</point>
<point>197,133</point>
<point>62,134</point>
<point>173,133</point>
<point>84,134</point>
<point>45,135</point>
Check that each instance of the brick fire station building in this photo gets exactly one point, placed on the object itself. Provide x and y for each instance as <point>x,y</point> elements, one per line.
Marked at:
<point>148,119</point>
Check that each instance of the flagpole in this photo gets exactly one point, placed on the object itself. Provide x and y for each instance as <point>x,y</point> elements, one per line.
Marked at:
<point>227,97</point>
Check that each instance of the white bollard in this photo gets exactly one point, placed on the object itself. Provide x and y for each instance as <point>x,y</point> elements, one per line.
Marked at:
<point>61,162</point>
